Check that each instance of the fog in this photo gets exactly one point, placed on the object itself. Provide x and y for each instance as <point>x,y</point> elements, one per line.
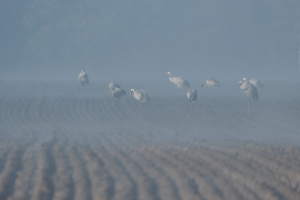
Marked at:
<point>60,139</point>
<point>140,40</point>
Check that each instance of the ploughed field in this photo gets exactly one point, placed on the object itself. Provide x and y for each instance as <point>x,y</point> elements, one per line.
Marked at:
<point>60,140</point>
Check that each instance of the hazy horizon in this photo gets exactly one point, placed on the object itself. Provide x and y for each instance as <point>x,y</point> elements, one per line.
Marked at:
<point>142,40</point>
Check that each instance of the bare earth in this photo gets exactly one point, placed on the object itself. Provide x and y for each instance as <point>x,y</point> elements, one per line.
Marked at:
<point>59,140</point>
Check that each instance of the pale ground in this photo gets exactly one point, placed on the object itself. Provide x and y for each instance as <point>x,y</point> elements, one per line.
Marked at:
<point>59,140</point>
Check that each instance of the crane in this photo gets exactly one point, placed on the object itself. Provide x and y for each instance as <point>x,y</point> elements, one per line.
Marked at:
<point>211,83</point>
<point>179,82</point>
<point>83,78</point>
<point>140,95</point>
<point>249,89</point>
<point>116,90</point>
<point>192,95</point>
<point>257,83</point>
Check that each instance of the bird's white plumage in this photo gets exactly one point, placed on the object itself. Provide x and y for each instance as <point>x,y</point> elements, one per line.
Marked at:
<point>118,93</point>
<point>179,82</point>
<point>140,95</point>
<point>192,95</point>
<point>83,78</point>
<point>116,90</point>
<point>113,86</point>
<point>256,82</point>
<point>211,83</point>
<point>249,89</point>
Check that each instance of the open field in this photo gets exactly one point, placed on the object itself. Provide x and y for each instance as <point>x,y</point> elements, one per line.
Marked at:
<point>59,140</point>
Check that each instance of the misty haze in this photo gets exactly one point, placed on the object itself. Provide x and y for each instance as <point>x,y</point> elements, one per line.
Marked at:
<point>130,100</point>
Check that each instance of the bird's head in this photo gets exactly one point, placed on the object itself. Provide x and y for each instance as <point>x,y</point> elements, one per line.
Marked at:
<point>244,79</point>
<point>132,90</point>
<point>240,82</point>
<point>168,73</point>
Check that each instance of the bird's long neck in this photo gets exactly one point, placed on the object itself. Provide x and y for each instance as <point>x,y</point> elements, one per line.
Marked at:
<point>170,78</point>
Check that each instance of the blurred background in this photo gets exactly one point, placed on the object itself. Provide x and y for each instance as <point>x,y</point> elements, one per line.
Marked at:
<point>142,40</point>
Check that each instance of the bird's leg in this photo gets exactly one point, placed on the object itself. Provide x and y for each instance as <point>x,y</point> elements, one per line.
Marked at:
<point>189,112</point>
<point>248,103</point>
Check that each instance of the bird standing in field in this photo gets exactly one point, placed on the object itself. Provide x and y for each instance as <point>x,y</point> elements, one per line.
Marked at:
<point>140,95</point>
<point>211,83</point>
<point>116,90</point>
<point>113,86</point>
<point>83,78</point>
<point>118,93</point>
<point>192,95</point>
<point>257,83</point>
<point>179,82</point>
<point>249,89</point>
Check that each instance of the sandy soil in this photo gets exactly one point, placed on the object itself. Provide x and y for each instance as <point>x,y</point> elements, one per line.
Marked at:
<point>59,140</point>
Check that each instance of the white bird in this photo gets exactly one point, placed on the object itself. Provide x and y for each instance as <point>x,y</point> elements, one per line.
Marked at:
<point>249,89</point>
<point>179,82</point>
<point>118,93</point>
<point>113,86</point>
<point>192,95</point>
<point>116,90</point>
<point>211,83</point>
<point>140,95</point>
<point>256,82</point>
<point>83,78</point>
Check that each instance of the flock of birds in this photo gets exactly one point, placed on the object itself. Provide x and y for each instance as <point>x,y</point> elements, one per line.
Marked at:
<point>249,86</point>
